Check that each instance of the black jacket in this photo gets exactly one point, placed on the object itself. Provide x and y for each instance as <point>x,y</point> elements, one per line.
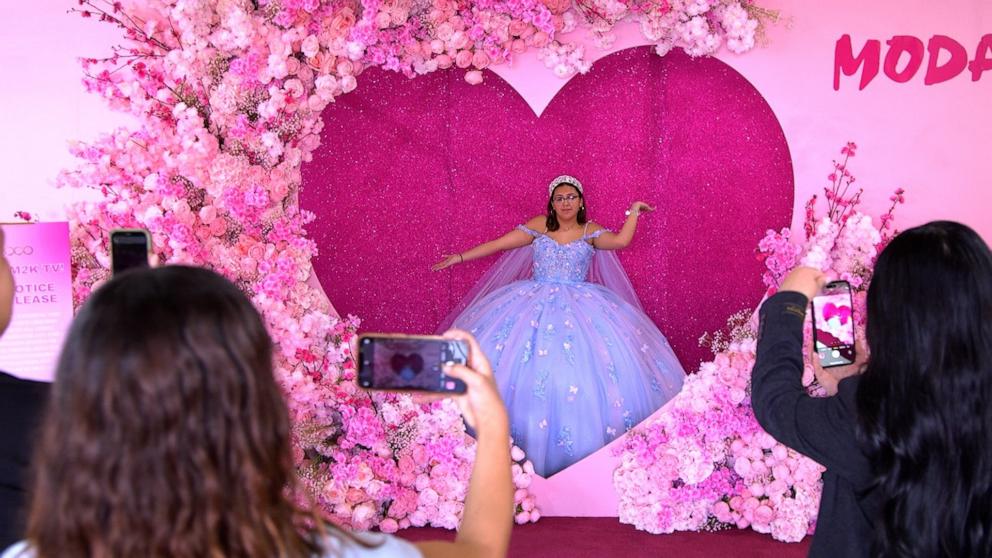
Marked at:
<point>21,405</point>
<point>824,429</point>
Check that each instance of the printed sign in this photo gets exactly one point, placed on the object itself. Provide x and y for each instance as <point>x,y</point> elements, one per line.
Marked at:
<point>38,254</point>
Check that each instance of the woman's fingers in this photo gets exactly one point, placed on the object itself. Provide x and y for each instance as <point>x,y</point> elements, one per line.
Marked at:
<point>476,358</point>
<point>805,280</point>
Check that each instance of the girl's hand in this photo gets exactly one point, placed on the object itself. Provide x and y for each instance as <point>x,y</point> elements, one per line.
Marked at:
<point>447,260</point>
<point>640,207</point>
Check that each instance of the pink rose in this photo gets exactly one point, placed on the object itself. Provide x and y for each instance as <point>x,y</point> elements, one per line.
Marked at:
<point>293,87</point>
<point>310,46</point>
<point>518,46</point>
<point>444,31</point>
<point>522,517</point>
<point>343,21</point>
<point>721,511</point>
<point>355,496</point>
<point>780,452</point>
<point>292,65</point>
<point>218,227</point>
<point>346,67</point>
<point>473,77</point>
<point>207,214</point>
<point>557,6</point>
<point>763,514</point>
<point>463,59</point>
<point>777,486</point>
<point>383,20</point>
<point>423,481</point>
<point>519,495</point>
<point>517,27</point>
<point>418,518</point>
<point>539,39</point>
<point>443,61</point>
<point>248,265</point>
<point>256,251</point>
<point>459,40</point>
<point>480,60</point>
<point>348,84</point>
<point>389,525</point>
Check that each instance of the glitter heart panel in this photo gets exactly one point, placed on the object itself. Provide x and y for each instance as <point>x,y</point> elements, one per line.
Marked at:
<point>409,169</point>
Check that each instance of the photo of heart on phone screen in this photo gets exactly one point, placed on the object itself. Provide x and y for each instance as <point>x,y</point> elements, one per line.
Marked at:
<point>408,362</point>
<point>833,325</point>
<point>399,364</point>
<point>834,321</point>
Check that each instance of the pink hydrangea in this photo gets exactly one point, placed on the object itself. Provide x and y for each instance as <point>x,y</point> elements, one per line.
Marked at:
<point>705,460</point>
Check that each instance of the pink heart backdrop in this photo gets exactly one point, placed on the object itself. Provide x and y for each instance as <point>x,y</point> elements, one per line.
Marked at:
<point>411,169</point>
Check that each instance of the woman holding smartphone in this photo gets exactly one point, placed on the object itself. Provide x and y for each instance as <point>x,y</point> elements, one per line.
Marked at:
<point>907,443</point>
<point>168,436</point>
<point>577,360</point>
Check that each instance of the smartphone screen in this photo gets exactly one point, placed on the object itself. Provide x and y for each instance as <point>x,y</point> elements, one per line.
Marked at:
<point>409,362</point>
<point>128,248</point>
<point>833,324</point>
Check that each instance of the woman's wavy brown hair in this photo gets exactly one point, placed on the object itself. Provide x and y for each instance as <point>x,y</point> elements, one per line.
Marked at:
<point>167,435</point>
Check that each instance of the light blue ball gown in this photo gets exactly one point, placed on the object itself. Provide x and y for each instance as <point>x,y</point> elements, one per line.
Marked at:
<point>576,363</point>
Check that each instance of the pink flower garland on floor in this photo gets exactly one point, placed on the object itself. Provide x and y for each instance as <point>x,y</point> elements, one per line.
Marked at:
<point>705,464</point>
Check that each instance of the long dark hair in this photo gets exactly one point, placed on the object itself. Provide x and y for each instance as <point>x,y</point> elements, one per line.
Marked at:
<point>167,434</point>
<point>925,400</point>
<point>552,221</point>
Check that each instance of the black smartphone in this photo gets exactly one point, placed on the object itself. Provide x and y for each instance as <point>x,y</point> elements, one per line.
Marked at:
<point>833,324</point>
<point>129,248</point>
<point>401,362</point>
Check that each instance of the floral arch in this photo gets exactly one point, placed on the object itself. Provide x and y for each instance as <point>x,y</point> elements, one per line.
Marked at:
<point>227,96</point>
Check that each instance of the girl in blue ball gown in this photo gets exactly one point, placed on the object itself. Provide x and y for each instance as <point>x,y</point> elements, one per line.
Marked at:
<point>576,359</point>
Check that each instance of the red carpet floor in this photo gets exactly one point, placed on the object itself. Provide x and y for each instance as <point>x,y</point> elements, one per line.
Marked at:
<point>581,537</point>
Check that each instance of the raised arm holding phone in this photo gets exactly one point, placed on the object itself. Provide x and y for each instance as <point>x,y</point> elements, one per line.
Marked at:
<point>169,436</point>
<point>907,438</point>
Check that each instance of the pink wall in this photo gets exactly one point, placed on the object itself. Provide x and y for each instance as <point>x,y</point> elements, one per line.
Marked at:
<point>932,140</point>
<point>42,102</point>
<point>928,139</point>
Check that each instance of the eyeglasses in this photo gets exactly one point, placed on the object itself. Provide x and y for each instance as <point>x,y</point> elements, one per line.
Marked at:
<point>570,198</point>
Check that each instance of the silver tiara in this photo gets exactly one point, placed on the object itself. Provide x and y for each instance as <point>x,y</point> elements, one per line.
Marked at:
<point>564,179</point>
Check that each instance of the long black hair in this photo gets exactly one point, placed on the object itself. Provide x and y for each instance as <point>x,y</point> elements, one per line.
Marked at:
<point>552,221</point>
<point>925,401</point>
